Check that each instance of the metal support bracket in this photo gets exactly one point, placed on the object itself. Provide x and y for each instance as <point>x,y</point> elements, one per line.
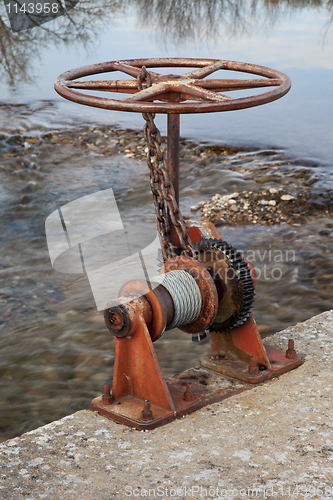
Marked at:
<point>141,397</point>
<point>240,353</point>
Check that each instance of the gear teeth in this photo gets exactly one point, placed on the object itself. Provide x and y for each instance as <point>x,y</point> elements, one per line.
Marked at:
<point>243,276</point>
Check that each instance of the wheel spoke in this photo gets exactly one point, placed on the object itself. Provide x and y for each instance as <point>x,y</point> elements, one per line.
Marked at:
<point>205,71</point>
<point>148,94</point>
<point>201,94</point>
<point>107,85</point>
<point>127,68</point>
<point>224,85</point>
<point>134,71</point>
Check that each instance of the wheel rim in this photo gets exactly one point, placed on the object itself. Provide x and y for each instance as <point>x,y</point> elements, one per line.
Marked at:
<point>173,91</point>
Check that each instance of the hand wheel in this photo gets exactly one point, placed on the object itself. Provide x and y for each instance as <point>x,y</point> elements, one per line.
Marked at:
<point>190,92</point>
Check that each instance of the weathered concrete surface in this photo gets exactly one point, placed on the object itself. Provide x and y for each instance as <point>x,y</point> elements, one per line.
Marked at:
<point>277,437</point>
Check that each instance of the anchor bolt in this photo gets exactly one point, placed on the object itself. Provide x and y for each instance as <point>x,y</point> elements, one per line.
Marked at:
<point>188,394</point>
<point>146,413</point>
<point>107,397</point>
<point>290,352</point>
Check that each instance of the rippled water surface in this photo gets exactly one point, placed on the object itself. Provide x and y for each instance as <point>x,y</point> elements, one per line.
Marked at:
<point>55,351</point>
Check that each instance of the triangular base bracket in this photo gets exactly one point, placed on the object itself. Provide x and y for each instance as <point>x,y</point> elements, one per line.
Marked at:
<point>138,378</point>
<point>240,353</point>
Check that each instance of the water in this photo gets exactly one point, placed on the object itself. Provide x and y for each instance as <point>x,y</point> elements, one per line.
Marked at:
<point>56,353</point>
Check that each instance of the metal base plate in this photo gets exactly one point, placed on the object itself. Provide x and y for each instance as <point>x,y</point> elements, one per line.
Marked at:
<point>232,367</point>
<point>208,387</point>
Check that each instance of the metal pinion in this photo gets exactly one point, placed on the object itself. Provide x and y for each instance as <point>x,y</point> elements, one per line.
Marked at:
<point>233,281</point>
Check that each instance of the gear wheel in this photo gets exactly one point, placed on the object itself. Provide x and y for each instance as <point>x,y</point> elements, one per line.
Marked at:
<point>233,281</point>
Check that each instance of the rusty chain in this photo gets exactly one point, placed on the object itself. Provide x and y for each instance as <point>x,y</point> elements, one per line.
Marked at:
<point>167,210</point>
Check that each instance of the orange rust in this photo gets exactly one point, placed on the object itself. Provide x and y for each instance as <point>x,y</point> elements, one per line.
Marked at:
<point>160,301</point>
<point>290,352</point>
<point>193,85</point>
<point>240,353</point>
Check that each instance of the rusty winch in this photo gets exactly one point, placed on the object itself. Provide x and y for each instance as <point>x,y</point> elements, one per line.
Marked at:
<point>204,284</point>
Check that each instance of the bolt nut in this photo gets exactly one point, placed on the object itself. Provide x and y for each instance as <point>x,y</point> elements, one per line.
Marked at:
<point>117,320</point>
<point>146,413</point>
<point>107,397</point>
<point>290,352</point>
<point>188,394</point>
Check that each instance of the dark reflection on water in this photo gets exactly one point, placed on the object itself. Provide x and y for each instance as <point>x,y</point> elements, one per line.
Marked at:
<point>76,28</point>
<point>180,20</point>
<point>55,352</point>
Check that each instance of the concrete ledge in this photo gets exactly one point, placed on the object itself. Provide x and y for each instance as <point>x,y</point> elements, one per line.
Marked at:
<point>277,438</point>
